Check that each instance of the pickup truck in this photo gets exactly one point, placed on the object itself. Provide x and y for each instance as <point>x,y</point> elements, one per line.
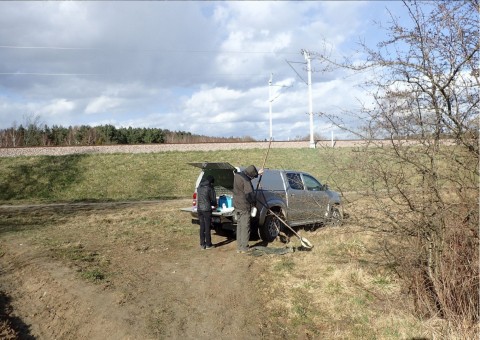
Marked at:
<point>295,196</point>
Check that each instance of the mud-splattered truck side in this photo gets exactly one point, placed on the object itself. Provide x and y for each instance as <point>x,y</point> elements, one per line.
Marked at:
<point>296,196</point>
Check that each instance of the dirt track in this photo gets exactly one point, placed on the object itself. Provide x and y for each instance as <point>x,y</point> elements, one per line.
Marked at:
<point>160,287</point>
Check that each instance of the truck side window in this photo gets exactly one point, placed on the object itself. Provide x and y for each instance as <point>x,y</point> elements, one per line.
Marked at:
<point>311,183</point>
<point>295,181</point>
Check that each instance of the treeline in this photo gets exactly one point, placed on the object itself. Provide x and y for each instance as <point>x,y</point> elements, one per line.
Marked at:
<point>34,135</point>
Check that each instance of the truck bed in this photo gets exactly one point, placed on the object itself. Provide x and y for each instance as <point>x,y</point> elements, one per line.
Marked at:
<point>214,213</point>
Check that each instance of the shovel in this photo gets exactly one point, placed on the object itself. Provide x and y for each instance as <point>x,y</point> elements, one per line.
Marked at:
<point>254,209</point>
<point>263,166</point>
<point>305,243</point>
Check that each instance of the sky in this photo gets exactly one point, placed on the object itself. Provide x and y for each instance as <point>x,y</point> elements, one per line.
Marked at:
<point>196,66</point>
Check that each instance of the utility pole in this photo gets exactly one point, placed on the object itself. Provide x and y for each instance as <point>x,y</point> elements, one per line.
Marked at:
<point>307,56</point>
<point>270,103</point>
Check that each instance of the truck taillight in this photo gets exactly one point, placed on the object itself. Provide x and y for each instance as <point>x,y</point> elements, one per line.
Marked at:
<point>194,203</point>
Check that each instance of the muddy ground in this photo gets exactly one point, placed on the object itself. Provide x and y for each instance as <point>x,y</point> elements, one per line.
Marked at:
<point>158,284</point>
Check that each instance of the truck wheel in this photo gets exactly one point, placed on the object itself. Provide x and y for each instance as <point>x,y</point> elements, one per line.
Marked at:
<point>270,229</point>
<point>336,217</point>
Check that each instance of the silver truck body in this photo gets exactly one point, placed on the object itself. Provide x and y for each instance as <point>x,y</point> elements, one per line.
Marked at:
<point>296,196</point>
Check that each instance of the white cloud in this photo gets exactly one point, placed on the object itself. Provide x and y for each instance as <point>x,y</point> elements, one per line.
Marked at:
<point>211,102</point>
<point>57,107</point>
<point>102,104</point>
<point>195,66</point>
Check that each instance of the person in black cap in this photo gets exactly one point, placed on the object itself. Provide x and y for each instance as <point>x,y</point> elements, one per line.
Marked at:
<point>206,201</point>
<point>243,200</point>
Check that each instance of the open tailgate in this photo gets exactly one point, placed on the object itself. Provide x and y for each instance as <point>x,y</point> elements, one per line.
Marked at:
<point>214,165</point>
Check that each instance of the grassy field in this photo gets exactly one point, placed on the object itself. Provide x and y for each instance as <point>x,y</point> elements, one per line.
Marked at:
<point>116,177</point>
<point>337,291</point>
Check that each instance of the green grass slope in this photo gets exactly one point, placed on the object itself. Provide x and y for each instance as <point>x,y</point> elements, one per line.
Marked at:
<point>166,175</point>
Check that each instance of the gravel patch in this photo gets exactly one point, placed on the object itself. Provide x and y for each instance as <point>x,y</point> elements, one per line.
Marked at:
<point>69,150</point>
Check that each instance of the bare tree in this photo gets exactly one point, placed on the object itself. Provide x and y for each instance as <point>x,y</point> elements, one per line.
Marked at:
<point>422,180</point>
<point>13,135</point>
<point>32,130</point>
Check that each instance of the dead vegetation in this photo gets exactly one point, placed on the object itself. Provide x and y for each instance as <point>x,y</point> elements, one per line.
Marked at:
<point>424,197</point>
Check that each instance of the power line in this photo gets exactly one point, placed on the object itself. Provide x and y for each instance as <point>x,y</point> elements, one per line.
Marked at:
<point>118,74</point>
<point>47,47</point>
<point>128,49</point>
<point>47,74</point>
<point>296,62</point>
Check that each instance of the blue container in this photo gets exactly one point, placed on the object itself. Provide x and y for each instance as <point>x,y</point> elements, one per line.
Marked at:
<point>223,199</point>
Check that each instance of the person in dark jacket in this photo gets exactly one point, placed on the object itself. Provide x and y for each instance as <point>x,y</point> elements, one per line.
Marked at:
<point>243,200</point>
<point>206,201</point>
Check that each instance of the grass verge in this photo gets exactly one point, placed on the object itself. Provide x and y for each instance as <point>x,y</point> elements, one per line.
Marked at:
<point>118,177</point>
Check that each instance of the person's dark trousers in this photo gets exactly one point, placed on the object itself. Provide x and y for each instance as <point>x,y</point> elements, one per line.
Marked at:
<point>205,218</point>
<point>243,229</point>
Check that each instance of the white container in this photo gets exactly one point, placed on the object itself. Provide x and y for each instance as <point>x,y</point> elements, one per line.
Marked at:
<point>253,212</point>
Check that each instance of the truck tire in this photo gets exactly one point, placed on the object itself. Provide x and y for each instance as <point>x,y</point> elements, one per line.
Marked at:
<point>336,217</point>
<point>270,229</point>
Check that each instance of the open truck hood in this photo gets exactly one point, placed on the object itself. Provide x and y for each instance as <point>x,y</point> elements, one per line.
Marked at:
<point>213,165</point>
<point>222,172</point>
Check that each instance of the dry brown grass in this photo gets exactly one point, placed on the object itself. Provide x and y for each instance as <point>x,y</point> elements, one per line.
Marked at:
<point>342,289</point>
<point>338,290</point>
